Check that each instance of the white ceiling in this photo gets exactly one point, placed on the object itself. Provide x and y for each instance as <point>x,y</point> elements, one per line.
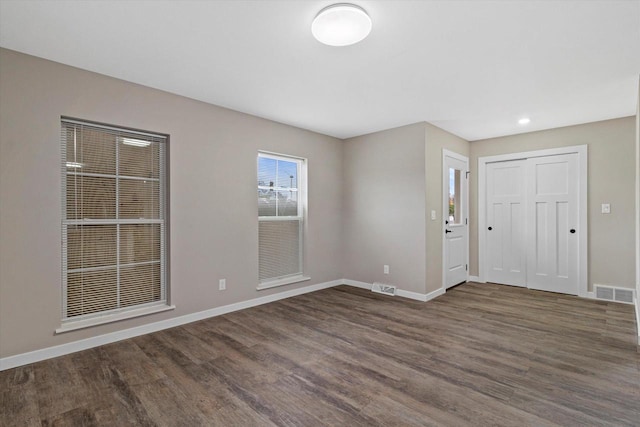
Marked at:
<point>470,67</point>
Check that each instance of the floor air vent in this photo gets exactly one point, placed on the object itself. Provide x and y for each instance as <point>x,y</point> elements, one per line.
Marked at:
<point>610,293</point>
<point>381,288</point>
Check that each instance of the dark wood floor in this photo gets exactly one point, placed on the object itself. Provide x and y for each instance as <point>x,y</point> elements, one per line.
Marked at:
<point>479,355</point>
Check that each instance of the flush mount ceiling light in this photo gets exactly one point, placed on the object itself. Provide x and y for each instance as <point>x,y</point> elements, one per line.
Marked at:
<point>524,120</point>
<point>341,25</point>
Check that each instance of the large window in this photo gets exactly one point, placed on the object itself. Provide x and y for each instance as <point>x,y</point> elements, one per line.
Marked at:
<point>280,217</point>
<point>113,227</point>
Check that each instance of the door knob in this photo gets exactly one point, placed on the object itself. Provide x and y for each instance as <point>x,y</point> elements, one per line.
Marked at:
<point>490,228</point>
<point>447,231</point>
<point>573,230</point>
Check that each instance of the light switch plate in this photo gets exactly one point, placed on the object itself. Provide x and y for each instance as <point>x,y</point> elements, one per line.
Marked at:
<point>606,208</point>
<point>433,215</point>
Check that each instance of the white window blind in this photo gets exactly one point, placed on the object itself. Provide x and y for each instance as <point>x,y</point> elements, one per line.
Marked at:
<point>280,217</point>
<point>113,227</point>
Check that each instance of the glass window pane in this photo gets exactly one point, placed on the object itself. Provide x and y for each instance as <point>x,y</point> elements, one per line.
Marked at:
<point>91,292</point>
<point>454,196</point>
<point>277,187</point>
<point>139,243</point>
<point>287,174</point>
<point>140,284</point>
<point>266,172</point>
<point>139,199</point>
<point>90,151</point>
<point>91,246</point>
<point>139,158</point>
<point>91,197</point>
<point>266,203</point>
<point>287,203</point>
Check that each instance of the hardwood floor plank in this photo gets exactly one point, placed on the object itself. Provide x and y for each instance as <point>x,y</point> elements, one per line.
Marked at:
<point>481,354</point>
<point>60,387</point>
<point>132,364</point>
<point>18,398</point>
<point>74,417</point>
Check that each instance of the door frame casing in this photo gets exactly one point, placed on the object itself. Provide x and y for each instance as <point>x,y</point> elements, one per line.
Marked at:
<point>583,235</point>
<point>445,203</point>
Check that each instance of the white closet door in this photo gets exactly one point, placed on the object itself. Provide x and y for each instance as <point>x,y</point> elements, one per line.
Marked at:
<point>552,215</point>
<point>506,192</point>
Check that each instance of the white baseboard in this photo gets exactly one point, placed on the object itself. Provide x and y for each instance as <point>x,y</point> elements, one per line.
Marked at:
<point>84,344</point>
<point>356,284</point>
<point>421,297</point>
<point>401,293</point>
<point>474,279</point>
<point>637,306</point>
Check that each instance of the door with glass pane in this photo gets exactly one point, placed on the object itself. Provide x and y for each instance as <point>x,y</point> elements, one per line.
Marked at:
<point>456,230</point>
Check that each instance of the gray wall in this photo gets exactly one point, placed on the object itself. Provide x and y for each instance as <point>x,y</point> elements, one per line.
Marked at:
<point>213,206</point>
<point>611,179</point>
<point>384,207</point>
<point>393,179</point>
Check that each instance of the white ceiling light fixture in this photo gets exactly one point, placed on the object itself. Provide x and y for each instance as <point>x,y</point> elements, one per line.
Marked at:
<point>341,24</point>
<point>524,121</point>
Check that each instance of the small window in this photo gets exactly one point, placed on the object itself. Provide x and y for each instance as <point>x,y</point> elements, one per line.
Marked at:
<point>280,218</point>
<point>454,197</point>
<point>113,227</point>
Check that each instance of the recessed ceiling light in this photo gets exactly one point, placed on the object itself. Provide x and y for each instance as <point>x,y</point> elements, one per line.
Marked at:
<point>524,120</point>
<point>341,25</point>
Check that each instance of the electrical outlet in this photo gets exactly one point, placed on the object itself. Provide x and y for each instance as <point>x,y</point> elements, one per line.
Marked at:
<point>433,215</point>
<point>222,284</point>
<point>386,269</point>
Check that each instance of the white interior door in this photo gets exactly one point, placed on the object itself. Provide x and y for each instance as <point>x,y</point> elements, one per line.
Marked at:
<point>456,229</point>
<point>552,259</point>
<point>506,254</point>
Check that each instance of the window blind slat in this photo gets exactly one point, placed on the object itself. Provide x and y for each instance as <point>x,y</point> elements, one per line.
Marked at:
<point>279,249</point>
<point>91,246</point>
<point>91,292</point>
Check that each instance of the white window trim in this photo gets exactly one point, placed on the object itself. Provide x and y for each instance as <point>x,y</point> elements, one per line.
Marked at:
<point>302,204</point>
<point>282,282</point>
<point>117,315</point>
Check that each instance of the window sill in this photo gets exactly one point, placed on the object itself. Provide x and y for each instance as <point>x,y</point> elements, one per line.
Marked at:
<point>73,325</point>
<point>282,282</point>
